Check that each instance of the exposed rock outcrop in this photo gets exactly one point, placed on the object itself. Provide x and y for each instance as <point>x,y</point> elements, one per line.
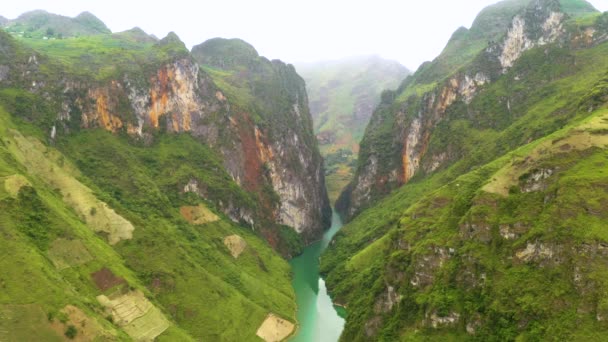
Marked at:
<point>398,142</point>
<point>265,138</point>
<point>414,123</point>
<point>235,244</point>
<point>264,134</point>
<point>274,144</point>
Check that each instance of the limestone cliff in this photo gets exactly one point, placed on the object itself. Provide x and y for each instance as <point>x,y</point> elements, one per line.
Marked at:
<point>115,198</point>
<point>264,137</point>
<point>402,139</point>
<point>273,144</point>
<point>498,169</point>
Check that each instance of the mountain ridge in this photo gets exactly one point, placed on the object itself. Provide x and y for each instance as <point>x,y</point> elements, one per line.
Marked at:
<point>494,230</point>
<point>129,177</point>
<point>431,77</point>
<point>40,23</point>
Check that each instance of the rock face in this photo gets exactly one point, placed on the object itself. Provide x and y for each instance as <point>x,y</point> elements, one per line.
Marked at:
<point>380,168</point>
<point>177,96</point>
<point>522,36</point>
<point>132,155</point>
<point>503,185</point>
<point>278,160</point>
<point>273,144</point>
<point>403,138</point>
<point>263,130</point>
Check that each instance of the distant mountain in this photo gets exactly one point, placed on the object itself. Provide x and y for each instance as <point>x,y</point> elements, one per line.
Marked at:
<point>227,54</point>
<point>39,23</point>
<point>343,94</point>
<point>3,21</point>
<point>136,34</point>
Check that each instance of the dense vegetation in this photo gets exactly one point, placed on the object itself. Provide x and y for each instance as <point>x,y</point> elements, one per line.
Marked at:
<point>183,268</point>
<point>506,240</point>
<point>88,213</point>
<point>43,25</point>
<point>469,54</point>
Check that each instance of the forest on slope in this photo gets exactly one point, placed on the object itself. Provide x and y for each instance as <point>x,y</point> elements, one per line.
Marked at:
<point>146,191</point>
<point>477,211</point>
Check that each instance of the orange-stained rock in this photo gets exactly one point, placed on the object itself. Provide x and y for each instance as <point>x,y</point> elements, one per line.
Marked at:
<point>103,114</point>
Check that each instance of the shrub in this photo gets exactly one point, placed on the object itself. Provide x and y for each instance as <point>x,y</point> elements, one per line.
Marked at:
<point>71,332</point>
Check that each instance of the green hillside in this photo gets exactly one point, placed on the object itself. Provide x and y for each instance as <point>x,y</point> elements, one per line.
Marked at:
<point>500,253</point>
<point>408,136</point>
<point>42,24</point>
<point>153,193</point>
<point>122,227</point>
<point>497,228</point>
<point>183,269</point>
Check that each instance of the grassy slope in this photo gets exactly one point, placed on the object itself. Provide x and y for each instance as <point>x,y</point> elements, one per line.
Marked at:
<point>30,223</point>
<point>183,269</point>
<point>568,214</point>
<point>201,286</point>
<point>39,24</point>
<point>489,115</point>
<point>156,165</point>
<point>104,56</point>
<point>555,94</point>
<point>192,258</point>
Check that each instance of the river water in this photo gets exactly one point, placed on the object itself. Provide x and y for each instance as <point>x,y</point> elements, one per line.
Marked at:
<point>319,320</point>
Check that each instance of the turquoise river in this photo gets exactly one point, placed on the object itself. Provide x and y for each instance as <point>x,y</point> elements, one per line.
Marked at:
<point>319,320</point>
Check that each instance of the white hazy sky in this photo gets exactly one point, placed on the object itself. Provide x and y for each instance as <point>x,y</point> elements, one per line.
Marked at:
<point>294,31</point>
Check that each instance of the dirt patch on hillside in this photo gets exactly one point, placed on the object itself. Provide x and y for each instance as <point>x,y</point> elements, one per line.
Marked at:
<point>579,138</point>
<point>134,313</point>
<point>68,253</point>
<point>199,214</point>
<point>14,183</point>
<point>105,279</point>
<point>54,170</point>
<point>275,329</point>
<point>235,244</point>
<point>148,327</point>
<point>87,328</point>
